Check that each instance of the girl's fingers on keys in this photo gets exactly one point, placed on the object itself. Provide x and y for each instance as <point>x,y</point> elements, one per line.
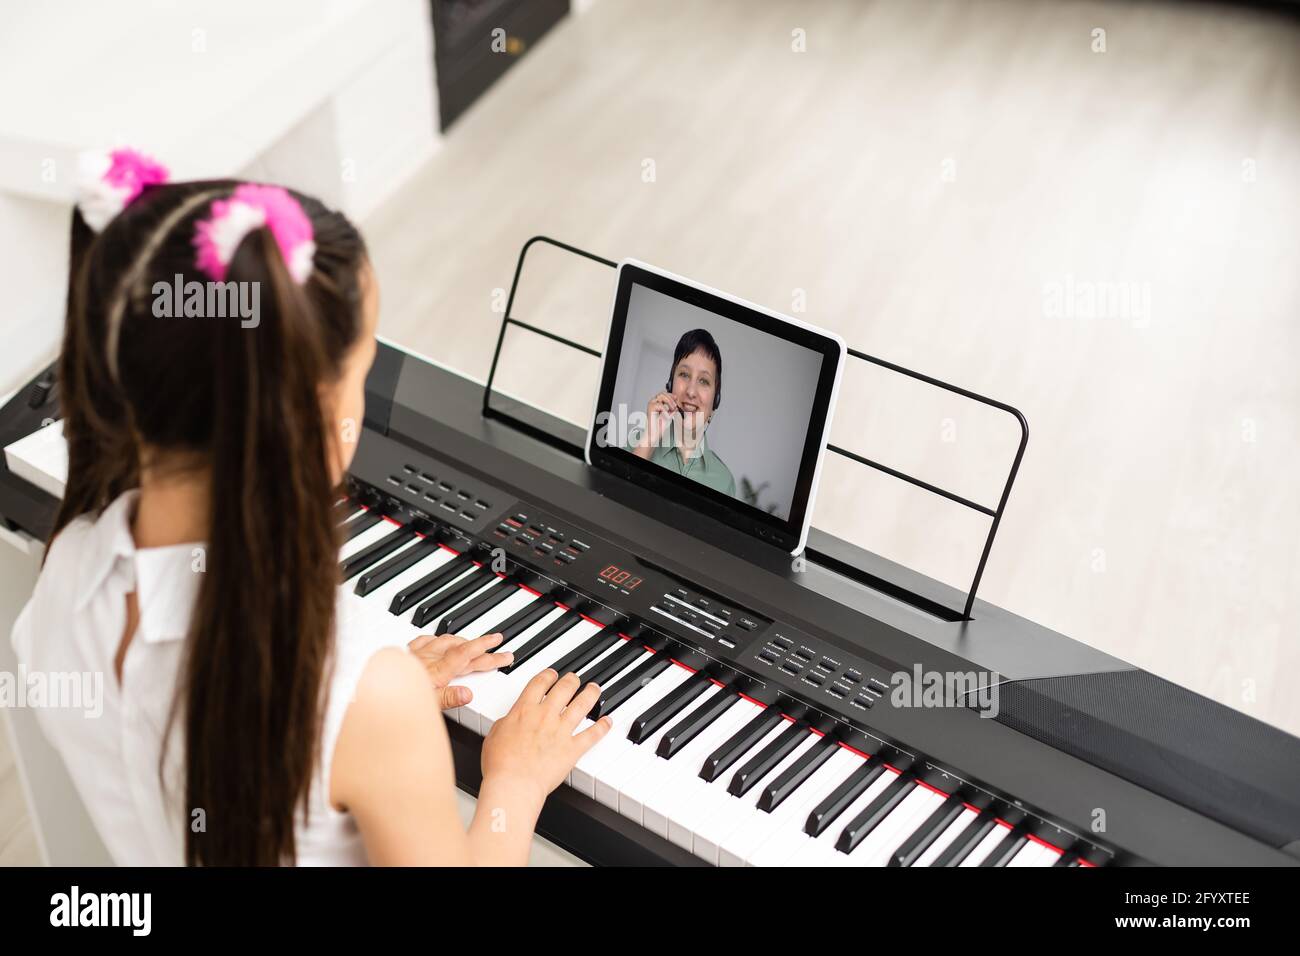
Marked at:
<point>559,696</point>
<point>593,734</point>
<point>535,690</point>
<point>490,662</point>
<point>580,706</point>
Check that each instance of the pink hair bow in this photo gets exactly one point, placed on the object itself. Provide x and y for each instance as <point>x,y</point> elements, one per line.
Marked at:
<point>109,182</point>
<point>250,207</point>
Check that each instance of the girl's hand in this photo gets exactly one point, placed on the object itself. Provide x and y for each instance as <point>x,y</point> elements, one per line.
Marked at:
<point>447,657</point>
<point>533,747</point>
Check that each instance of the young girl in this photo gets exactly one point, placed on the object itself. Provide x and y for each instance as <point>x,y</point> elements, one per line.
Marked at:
<point>247,718</point>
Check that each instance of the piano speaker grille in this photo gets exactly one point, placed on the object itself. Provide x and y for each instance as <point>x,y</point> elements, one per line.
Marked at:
<point>1208,757</point>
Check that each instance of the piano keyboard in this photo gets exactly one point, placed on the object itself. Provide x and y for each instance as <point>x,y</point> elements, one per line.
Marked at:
<point>742,774</point>
<point>690,759</point>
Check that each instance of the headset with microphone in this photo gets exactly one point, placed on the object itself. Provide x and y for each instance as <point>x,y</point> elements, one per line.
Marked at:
<point>717,400</point>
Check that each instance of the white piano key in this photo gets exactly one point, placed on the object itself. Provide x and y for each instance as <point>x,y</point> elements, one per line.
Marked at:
<point>351,582</point>
<point>382,596</point>
<point>596,661</point>
<point>1027,855</point>
<point>673,798</point>
<point>612,780</point>
<point>700,798</point>
<point>587,771</point>
<point>613,649</point>
<point>356,512</point>
<point>635,780</point>
<point>484,625</point>
<point>771,839</point>
<point>821,850</point>
<point>407,617</point>
<point>894,830</point>
<point>726,817</point>
<point>1050,855</point>
<point>366,538</point>
<point>1033,854</point>
<point>491,583</point>
<point>493,692</point>
<point>496,704</point>
<point>650,787</point>
<point>945,838</point>
<point>431,628</point>
<point>987,845</point>
<point>488,622</point>
<point>584,784</point>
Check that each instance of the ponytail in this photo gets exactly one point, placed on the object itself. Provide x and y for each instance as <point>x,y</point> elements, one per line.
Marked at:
<point>244,402</point>
<point>263,625</point>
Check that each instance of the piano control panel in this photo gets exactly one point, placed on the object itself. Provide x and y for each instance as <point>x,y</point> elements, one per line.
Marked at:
<point>442,494</point>
<point>777,663</point>
<point>825,673</point>
<point>623,583</point>
<point>780,661</point>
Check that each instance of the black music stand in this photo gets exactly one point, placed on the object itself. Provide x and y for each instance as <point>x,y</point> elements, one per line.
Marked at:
<point>918,600</point>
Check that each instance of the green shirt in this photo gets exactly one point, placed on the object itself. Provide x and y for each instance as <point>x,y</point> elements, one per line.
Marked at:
<point>705,466</point>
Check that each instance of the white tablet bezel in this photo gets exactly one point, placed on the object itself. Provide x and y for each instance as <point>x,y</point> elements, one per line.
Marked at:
<point>830,337</point>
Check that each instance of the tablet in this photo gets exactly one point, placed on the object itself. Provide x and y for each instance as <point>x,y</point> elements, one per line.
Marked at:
<point>718,404</point>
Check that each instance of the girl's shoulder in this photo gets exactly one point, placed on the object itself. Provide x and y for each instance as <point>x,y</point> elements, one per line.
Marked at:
<point>82,553</point>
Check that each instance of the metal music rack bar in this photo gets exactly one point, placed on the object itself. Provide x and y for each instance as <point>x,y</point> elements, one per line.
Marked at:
<point>995,513</point>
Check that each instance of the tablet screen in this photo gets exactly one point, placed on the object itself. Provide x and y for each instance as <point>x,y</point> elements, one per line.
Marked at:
<point>716,402</point>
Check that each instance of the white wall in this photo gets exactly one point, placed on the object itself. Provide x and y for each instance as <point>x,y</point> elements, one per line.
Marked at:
<point>336,98</point>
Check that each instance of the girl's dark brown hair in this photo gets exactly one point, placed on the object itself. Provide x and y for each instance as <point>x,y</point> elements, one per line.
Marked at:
<point>244,404</point>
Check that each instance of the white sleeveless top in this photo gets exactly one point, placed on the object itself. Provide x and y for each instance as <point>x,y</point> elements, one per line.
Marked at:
<point>73,625</point>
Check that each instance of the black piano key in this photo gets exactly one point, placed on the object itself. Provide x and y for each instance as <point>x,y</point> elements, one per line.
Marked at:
<point>542,638</point>
<point>611,698</point>
<point>929,831</point>
<point>1067,859</point>
<point>587,651</point>
<point>343,510</point>
<point>966,841</point>
<point>690,726</point>
<point>740,743</point>
<point>375,552</point>
<point>453,596</point>
<point>525,618</point>
<point>794,775</point>
<point>358,525</point>
<point>824,814</point>
<point>394,566</point>
<point>1005,851</point>
<point>761,764</point>
<point>471,611</point>
<point>874,812</point>
<point>611,665</point>
<point>439,578</point>
<point>648,724</point>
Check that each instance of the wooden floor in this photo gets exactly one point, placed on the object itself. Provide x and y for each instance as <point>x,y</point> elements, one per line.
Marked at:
<point>1107,240</point>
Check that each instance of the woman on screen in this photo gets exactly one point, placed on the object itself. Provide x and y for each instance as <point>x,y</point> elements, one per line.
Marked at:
<point>679,416</point>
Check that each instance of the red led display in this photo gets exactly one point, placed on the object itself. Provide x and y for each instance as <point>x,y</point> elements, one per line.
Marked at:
<point>616,575</point>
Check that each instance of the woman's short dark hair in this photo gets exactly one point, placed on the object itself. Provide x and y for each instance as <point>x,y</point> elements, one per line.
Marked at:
<point>699,340</point>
